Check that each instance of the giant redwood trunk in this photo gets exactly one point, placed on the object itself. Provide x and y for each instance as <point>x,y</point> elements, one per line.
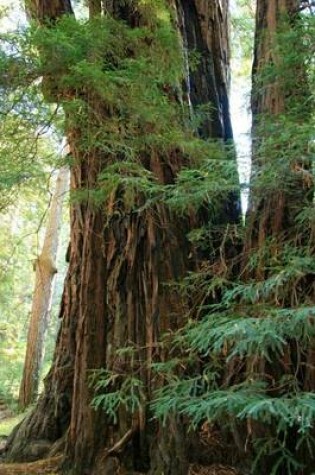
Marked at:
<point>116,293</point>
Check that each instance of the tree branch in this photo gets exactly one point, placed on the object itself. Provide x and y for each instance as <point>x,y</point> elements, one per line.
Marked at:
<point>121,442</point>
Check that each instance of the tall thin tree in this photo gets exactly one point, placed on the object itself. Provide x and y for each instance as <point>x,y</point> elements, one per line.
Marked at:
<point>45,268</point>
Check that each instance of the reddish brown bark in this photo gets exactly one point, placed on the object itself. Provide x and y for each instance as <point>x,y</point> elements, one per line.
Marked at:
<point>49,10</point>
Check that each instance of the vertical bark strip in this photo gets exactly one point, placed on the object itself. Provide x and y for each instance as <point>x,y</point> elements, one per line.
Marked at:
<point>95,8</point>
<point>116,293</point>
<point>47,10</point>
<point>204,28</point>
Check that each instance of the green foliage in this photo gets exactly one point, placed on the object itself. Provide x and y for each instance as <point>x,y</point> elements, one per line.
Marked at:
<point>116,391</point>
<point>87,55</point>
<point>209,183</point>
<point>242,36</point>
<point>26,148</point>
<point>137,115</point>
<point>265,335</point>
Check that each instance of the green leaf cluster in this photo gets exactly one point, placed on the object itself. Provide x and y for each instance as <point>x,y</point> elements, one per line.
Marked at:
<point>117,391</point>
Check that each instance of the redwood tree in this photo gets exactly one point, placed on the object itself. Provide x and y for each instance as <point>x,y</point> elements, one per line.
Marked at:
<point>124,254</point>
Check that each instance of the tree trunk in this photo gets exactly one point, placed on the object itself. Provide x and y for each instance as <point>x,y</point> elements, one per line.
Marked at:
<point>270,99</point>
<point>45,267</point>
<point>278,91</point>
<point>204,29</point>
<point>115,294</point>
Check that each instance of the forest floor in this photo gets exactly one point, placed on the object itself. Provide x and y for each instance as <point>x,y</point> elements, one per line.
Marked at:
<point>50,466</point>
<point>42,467</point>
<point>8,420</point>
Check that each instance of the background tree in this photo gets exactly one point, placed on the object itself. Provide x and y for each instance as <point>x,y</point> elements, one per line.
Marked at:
<point>45,267</point>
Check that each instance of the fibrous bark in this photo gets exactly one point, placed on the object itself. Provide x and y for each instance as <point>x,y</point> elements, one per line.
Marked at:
<point>204,28</point>
<point>49,10</point>
<point>269,15</point>
<point>116,293</point>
